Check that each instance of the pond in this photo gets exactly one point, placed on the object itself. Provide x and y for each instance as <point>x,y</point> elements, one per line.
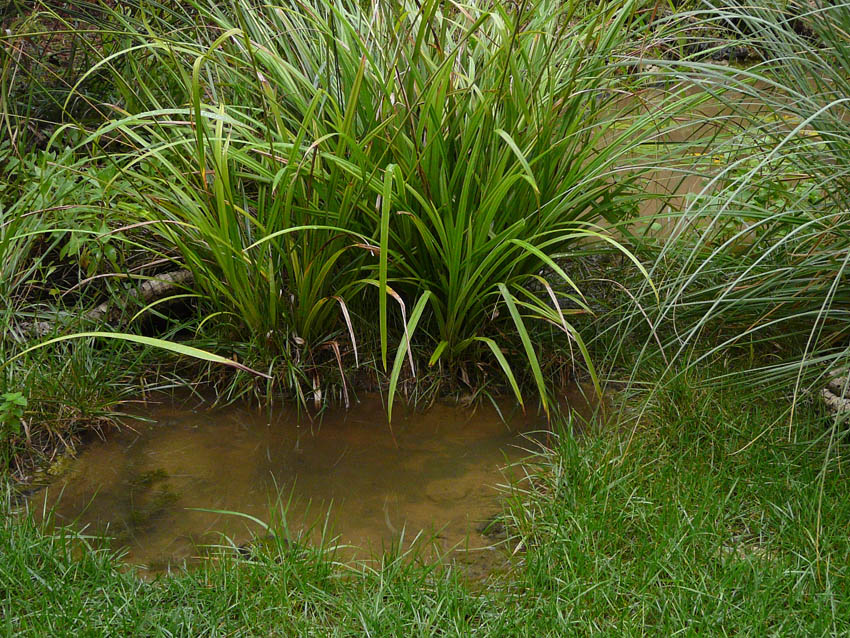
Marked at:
<point>346,479</point>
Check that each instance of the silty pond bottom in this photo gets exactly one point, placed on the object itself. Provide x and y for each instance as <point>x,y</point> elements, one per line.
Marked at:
<point>347,475</point>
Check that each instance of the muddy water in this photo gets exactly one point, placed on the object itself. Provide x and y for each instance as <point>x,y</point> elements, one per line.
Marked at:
<point>703,129</point>
<point>436,473</point>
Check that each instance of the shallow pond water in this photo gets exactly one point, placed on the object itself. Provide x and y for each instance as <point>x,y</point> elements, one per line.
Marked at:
<point>370,487</point>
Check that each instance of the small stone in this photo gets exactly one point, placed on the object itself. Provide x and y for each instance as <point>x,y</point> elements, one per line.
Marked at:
<point>493,527</point>
<point>446,490</point>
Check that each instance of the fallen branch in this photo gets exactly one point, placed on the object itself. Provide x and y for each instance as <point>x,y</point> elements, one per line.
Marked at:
<point>150,290</point>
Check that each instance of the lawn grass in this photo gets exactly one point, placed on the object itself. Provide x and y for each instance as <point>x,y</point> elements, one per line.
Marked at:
<point>704,519</point>
<point>701,519</point>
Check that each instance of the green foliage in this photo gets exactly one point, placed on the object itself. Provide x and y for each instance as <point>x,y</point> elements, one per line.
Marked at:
<point>704,518</point>
<point>12,406</point>
<point>12,411</point>
<point>382,151</point>
<point>760,254</point>
<point>418,178</point>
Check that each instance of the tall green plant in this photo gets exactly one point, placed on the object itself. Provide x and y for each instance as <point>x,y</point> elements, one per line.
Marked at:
<point>439,159</point>
<point>767,254</point>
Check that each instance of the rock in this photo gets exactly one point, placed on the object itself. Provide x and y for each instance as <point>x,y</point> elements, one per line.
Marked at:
<point>493,527</point>
<point>836,394</point>
<point>447,490</point>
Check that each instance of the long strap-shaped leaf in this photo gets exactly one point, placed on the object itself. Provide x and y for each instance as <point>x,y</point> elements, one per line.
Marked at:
<point>177,348</point>
<point>386,201</point>
<point>506,367</point>
<point>402,350</point>
<point>527,345</point>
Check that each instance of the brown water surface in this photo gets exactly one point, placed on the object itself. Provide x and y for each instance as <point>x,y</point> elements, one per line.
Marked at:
<point>435,473</point>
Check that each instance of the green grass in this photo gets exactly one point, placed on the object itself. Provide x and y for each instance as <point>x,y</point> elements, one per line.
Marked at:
<point>760,255</point>
<point>377,158</point>
<point>702,519</point>
<point>705,521</point>
<point>411,186</point>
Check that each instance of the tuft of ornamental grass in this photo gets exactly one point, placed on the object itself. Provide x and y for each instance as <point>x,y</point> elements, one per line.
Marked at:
<point>328,168</point>
<point>760,254</point>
